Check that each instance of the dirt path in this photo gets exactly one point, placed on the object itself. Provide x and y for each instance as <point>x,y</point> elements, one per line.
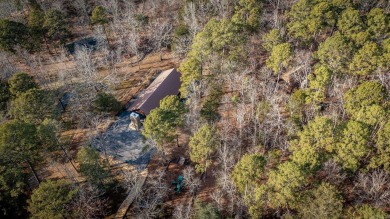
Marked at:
<point>132,195</point>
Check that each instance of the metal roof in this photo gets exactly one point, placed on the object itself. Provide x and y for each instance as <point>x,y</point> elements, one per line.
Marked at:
<point>167,83</point>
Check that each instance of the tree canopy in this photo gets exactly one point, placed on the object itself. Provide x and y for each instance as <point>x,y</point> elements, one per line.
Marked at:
<point>20,83</point>
<point>202,144</point>
<point>50,200</point>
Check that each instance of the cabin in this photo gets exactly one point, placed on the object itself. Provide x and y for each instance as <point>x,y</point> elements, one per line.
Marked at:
<point>166,83</point>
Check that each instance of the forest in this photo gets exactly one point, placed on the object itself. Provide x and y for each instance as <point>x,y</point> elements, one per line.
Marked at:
<point>283,112</point>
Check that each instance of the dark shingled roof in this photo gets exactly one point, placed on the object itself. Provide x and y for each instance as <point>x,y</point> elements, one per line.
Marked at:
<point>167,83</point>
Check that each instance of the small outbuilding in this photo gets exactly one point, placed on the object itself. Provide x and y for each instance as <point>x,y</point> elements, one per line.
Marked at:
<point>166,83</point>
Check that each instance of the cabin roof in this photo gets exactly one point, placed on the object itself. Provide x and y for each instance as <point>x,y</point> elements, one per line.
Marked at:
<point>166,83</point>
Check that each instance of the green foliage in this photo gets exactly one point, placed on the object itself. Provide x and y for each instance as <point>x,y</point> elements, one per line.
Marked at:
<point>366,60</point>
<point>318,82</point>
<point>12,190</point>
<point>321,202</point>
<point>371,115</point>
<point>366,212</point>
<point>378,23</point>
<point>20,83</point>
<point>256,201</point>
<point>296,105</point>
<point>209,110</point>
<point>285,182</point>
<point>50,200</point>
<point>13,34</point>
<point>353,145</point>
<point>280,57</point>
<point>174,108</point>
<point>33,106</point>
<point>336,53</point>
<point>313,141</point>
<point>247,171</point>
<point>217,39</point>
<point>99,16</point>
<point>19,142</point>
<point>202,144</point>
<point>36,20</point>
<point>47,133</point>
<point>181,30</point>
<point>309,18</point>
<point>205,211</point>
<point>350,23</point>
<point>105,102</point>
<point>271,39</point>
<point>5,95</point>
<point>161,124</point>
<point>247,14</point>
<point>91,166</point>
<point>382,155</point>
<point>56,26</point>
<point>366,94</point>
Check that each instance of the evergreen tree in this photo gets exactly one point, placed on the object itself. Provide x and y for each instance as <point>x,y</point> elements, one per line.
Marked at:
<point>55,24</point>
<point>161,124</point>
<point>13,34</point>
<point>296,105</point>
<point>285,182</point>
<point>33,106</point>
<point>36,20</point>
<point>317,138</point>
<point>321,202</point>
<point>91,166</point>
<point>378,23</point>
<point>366,94</point>
<point>202,144</point>
<point>5,95</point>
<point>19,144</point>
<point>271,39</point>
<point>247,171</point>
<point>353,145</point>
<point>105,102</point>
<point>351,25</point>
<point>247,14</point>
<point>366,212</point>
<point>51,199</point>
<point>205,211</point>
<point>13,189</point>
<point>318,82</point>
<point>336,53</point>
<point>382,155</point>
<point>366,60</point>
<point>20,83</point>
<point>280,57</point>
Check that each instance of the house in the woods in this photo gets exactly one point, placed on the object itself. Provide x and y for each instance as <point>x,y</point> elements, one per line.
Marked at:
<point>166,83</point>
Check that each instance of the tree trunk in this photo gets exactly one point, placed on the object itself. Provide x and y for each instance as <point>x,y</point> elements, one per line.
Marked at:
<point>69,158</point>
<point>33,171</point>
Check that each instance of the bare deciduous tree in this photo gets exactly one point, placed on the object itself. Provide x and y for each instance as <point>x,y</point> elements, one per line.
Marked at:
<point>373,187</point>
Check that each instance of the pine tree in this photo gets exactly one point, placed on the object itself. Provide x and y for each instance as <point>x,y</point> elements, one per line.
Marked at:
<point>20,83</point>
<point>202,144</point>
<point>353,145</point>
<point>33,106</point>
<point>280,57</point>
<point>50,200</point>
<point>271,39</point>
<point>247,171</point>
<point>314,141</point>
<point>336,53</point>
<point>91,166</point>
<point>321,202</point>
